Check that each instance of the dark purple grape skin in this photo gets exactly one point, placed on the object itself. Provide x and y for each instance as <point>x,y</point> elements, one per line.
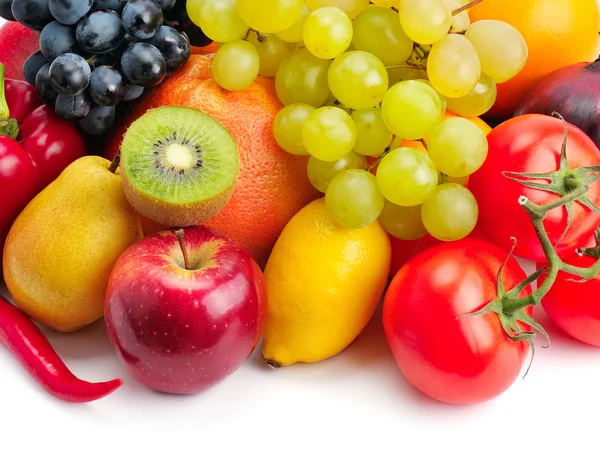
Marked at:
<point>177,16</point>
<point>33,14</point>
<point>70,74</point>
<point>173,46</point>
<point>166,5</point>
<point>57,39</point>
<point>99,120</point>
<point>32,66</point>
<point>142,18</point>
<point>144,65</point>
<point>6,10</point>
<point>43,86</point>
<point>115,5</point>
<point>107,86</point>
<point>100,32</point>
<point>73,108</point>
<point>133,92</point>
<point>106,59</point>
<point>69,12</point>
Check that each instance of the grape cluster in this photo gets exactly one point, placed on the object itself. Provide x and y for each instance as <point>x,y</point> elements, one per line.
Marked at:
<point>95,54</point>
<point>366,87</point>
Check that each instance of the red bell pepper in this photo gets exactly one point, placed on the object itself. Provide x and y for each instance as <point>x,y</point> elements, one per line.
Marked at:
<point>36,145</point>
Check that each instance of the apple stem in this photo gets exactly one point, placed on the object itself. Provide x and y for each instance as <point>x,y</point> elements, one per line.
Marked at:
<point>115,163</point>
<point>180,234</point>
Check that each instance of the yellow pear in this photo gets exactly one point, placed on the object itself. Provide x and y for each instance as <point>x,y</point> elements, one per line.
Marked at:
<point>60,251</point>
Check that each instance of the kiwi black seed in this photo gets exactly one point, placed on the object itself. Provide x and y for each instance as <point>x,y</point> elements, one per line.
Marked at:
<point>179,166</point>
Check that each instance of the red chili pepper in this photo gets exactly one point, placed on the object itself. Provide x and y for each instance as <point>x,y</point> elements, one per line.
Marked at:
<point>45,145</point>
<point>26,341</point>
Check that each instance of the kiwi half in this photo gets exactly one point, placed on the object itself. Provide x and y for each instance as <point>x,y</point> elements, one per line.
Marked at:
<point>179,166</point>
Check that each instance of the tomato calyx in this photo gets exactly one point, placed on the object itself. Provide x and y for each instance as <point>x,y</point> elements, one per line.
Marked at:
<point>562,182</point>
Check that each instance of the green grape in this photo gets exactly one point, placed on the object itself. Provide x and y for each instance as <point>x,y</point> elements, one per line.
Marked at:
<point>401,74</point>
<point>378,31</point>
<point>479,100</point>
<point>287,127</point>
<point>445,179</point>
<point>411,109</point>
<point>329,134</point>
<point>327,32</point>
<point>358,79</point>
<point>235,65</point>
<point>351,7</point>
<point>425,21</point>
<point>457,147</point>
<point>270,16</point>
<point>302,77</point>
<point>372,136</point>
<point>353,199</point>
<point>451,213</point>
<point>293,34</point>
<point>403,222</point>
<point>321,173</point>
<point>407,176</point>
<point>453,66</point>
<point>460,21</point>
<point>443,98</point>
<point>501,48</point>
<point>385,3</point>
<point>193,8</point>
<point>271,51</point>
<point>219,20</point>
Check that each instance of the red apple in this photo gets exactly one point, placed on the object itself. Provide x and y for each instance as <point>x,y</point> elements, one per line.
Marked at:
<point>185,311</point>
<point>17,43</point>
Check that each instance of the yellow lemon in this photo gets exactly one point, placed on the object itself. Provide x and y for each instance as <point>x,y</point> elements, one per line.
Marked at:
<point>324,283</point>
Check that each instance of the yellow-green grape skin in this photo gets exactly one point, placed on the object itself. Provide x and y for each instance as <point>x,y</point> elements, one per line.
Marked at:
<point>358,79</point>
<point>402,222</point>
<point>443,98</point>
<point>329,134</point>
<point>351,7</point>
<point>302,77</point>
<point>287,127</point>
<point>269,16</point>
<point>372,136</point>
<point>385,3</point>
<point>407,177</point>
<point>501,48</point>
<point>235,65</point>
<point>453,66</point>
<point>220,21</point>
<point>401,74</point>
<point>451,213</point>
<point>192,8</point>
<point>271,51</point>
<point>457,147</point>
<point>411,109</point>
<point>443,179</point>
<point>293,34</point>
<point>460,21</point>
<point>327,32</point>
<point>479,100</point>
<point>378,31</point>
<point>425,21</point>
<point>353,199</point>
<point>321,173</point>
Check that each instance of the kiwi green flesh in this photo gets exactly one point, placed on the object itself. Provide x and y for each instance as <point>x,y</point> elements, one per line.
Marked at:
<point>180,156</point>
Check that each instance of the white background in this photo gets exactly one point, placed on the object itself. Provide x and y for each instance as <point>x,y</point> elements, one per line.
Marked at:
<point>356,405</point>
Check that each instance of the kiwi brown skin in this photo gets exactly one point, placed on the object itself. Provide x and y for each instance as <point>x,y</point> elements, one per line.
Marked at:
<point>175,215</point>
<point>178,194</point>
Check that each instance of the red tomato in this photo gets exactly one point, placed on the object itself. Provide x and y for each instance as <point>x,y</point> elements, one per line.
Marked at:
<point>532,144</point>
<point>574,307</point>
<point>458,361</point>
<point>404,250</point>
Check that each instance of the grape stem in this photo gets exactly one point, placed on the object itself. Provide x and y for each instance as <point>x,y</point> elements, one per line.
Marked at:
<point>571,185</point>
<point>260,37</point>
<point>405,66</point>
<point>466,7</point>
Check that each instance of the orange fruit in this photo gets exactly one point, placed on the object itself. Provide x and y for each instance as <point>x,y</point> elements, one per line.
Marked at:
<point>558,33</point>
<point>272,184</point>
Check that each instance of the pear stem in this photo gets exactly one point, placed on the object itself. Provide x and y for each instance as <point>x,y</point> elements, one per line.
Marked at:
<point>180,238</point>
<point>115,163</point>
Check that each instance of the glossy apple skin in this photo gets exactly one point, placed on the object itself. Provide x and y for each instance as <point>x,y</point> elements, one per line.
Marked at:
<point>182,331</point>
